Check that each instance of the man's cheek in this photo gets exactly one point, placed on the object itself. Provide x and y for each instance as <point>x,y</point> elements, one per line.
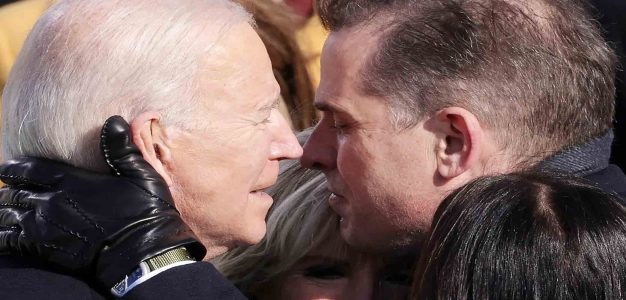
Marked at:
<point>355,176</point>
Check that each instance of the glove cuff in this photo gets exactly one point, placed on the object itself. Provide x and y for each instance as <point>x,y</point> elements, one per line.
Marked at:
<point>144,242</point>
<point>152,267</point>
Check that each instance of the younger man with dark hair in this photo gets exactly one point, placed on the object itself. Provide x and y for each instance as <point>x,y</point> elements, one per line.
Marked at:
<point>420,97</point>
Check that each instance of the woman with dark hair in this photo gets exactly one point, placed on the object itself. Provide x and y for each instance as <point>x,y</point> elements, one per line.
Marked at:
<point>525,236</point>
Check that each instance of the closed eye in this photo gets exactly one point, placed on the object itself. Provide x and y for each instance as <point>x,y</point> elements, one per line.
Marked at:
<point>325,272</point>
<point>269,109</point>
<point>265,121</point>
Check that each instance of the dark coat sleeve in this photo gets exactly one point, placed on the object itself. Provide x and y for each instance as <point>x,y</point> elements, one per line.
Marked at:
<point>23,279</point>
<point>194,281</point>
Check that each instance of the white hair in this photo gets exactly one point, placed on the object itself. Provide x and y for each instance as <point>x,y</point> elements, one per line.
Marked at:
<point>86,60</point>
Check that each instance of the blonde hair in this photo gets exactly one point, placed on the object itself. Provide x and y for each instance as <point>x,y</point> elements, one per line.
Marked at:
<point>299,222</point>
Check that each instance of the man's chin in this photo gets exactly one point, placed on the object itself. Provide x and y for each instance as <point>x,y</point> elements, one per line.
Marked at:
<point>364,241</point>
<point>253,235</point>
<point>260,203</point>
<point>359,240</point>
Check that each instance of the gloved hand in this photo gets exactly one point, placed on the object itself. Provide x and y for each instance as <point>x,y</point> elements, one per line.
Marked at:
<point>88,223</point>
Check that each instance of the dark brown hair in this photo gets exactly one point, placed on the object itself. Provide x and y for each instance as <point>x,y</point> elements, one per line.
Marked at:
<point>537,72</point>
<point>525,236</point>
<point>276,26</point>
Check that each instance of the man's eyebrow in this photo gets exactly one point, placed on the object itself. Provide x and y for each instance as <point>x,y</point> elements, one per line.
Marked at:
<point>325,106</point>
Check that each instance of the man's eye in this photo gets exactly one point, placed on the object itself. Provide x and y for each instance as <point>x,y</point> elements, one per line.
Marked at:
<point>325,272</point>
<point>265,121</point>
<point>336,127</point>
<point>340,128</point>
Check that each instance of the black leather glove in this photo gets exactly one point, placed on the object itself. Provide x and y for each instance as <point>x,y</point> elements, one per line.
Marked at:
<point>90,223</point>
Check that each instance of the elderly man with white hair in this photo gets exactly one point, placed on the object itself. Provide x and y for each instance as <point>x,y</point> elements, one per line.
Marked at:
<point>203,141</point>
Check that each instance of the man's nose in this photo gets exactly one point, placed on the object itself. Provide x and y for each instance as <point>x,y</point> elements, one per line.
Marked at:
<point>285,144</point>
<point>320,150</point>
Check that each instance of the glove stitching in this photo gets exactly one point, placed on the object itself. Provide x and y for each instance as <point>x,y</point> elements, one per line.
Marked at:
<point>13,228</point>
<point>153,195</point>
<point>82,214</point>
<point>107,158</point>
<point>74,254</point>
<point>24,179</point>
<point>105,147</point>
<point>20,205</point>
<point>62,228</point>
<point>51,246</point>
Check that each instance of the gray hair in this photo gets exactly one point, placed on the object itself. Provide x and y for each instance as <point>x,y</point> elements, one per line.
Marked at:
<point>86,60</point>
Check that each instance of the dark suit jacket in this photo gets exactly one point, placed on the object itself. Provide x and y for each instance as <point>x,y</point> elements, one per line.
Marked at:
<point>611,179</point>
<point>23,278</point>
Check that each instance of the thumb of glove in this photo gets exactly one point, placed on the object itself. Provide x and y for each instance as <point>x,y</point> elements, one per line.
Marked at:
<point>125,159</point>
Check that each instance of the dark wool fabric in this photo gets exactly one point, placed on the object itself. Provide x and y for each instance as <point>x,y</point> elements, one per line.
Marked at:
<point>25,278</point>
<point>591,161</point>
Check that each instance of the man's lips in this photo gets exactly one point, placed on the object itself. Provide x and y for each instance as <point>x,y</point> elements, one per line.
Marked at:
<point>335,199</point>
<point>336,194</point>
<point>338,204</point>
<point>262,186</point>
<point>261,196</point>
<point>333,189</point>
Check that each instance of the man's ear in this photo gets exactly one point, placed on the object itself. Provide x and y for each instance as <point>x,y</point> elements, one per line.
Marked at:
<point>151,139</point>
<point>459,141</point>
